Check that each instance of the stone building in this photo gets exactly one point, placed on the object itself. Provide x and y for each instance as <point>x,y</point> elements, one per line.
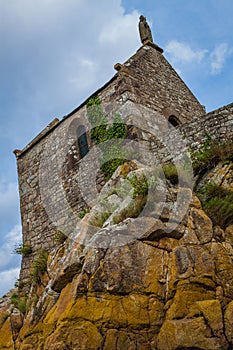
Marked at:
<point>49,166</point>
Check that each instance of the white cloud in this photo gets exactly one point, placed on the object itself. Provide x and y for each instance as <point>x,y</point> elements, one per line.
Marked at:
<point>183,53</point>
<point>11,240</point>
<point>219,56</point>
<point>83,72</point>
<point>122,29</point>
<point>8,279</point>
<point>9,205</point>
<point>8,195</point>
<point>9,263</point>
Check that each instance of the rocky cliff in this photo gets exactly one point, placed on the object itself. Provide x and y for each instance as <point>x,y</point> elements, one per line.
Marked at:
<point>132,283</point>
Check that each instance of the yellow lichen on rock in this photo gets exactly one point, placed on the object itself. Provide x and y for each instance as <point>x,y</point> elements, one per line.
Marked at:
<point>6,336</point>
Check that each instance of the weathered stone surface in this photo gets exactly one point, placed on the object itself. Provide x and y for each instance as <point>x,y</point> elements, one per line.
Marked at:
<point>151,293</point>
<point>202,225</point>
<point>221,175</point>
<point>83,335</point>
<point>188,334</point>
<point>57,181</point>
<point>6,336</point>
<point>229,234</point>
<point>159,280</point>
<point>228,318</point>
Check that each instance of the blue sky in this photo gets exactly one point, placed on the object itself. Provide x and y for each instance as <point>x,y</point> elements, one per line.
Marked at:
<point>55,53</point>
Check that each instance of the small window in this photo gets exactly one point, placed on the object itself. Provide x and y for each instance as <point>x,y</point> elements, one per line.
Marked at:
<point>82,141</point>
<point>174,121</point>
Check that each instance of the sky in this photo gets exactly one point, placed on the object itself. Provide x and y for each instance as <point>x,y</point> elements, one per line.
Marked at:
<point>55,53</point>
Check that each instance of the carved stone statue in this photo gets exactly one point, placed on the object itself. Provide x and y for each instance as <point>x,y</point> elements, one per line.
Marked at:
<point>144,30</point>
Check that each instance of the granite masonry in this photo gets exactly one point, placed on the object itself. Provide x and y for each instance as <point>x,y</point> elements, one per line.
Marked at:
<point>150,96</point>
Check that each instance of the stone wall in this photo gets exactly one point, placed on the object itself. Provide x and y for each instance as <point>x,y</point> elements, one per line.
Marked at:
<point>50,180</point>
<point>48,172</point>
<point>51,174</point>
<point>217,125</point>
<point>155,84</point>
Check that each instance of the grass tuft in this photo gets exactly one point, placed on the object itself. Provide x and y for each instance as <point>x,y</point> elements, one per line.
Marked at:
<point>218,204</point>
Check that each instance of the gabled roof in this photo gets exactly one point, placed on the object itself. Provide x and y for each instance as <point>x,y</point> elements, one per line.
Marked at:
<point>148,79</point>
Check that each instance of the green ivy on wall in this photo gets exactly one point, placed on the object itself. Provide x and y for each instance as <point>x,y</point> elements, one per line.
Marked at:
<point>113,153</point>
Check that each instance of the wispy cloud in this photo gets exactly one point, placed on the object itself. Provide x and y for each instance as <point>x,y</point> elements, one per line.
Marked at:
<point>8,195</point>
<point>8,278</point>
<point>219,56</point>
<point>121,29</point>
<point>9,206</point>
<point>9,262</point>
<point>11,239</point>
<point>181,52</point>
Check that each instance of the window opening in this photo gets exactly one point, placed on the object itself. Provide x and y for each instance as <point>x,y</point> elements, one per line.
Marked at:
<point>174,121</point>
<point>82,141</point>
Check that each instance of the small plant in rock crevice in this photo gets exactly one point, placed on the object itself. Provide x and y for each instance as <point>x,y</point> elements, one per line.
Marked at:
<point>19,302</point>
<point>131,211</point>
<point>218,204</point>
<point>39,266</point>
<point>171,173</point>
<point>139,184</point>
<point>83,213</point>
<point>23,249</point>
<point>99,219</point>
<point>210,154</point>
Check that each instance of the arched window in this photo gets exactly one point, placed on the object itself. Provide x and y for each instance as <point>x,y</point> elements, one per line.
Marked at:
<point>173,120</point>
<point>82,141</point>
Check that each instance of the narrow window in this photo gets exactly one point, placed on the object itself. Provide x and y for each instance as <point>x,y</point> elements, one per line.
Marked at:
<point>82,141</point>
<point>173,121</point>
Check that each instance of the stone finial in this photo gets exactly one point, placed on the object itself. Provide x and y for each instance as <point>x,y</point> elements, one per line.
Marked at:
<point>144,30</point>
<point>118,66</point>
<point>17,152</point>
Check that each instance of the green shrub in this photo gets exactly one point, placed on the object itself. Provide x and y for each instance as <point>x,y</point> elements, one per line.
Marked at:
<point>131,211</point>
<point>19,302</point>
<point>171,173</point>
<point>39,266</point>
<point>210,154</point>
<point>19,284</point>
<point>99,219</point>
<point>83,213</point>
<point>113,153</point>
<point>23,249</point>
<point>110,166</point>
<point>139,184</point>
<point>218,204</point>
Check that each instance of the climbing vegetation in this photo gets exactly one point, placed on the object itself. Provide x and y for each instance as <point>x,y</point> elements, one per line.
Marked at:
<point>109,137</point>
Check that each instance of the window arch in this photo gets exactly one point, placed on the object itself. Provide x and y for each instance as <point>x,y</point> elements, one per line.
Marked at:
<point>173,120</point>
<point>82,141</point>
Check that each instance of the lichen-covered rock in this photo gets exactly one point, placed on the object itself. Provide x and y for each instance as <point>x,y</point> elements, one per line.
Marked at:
<point>135,285</point>
<point>221,174</point>
<point>188,333</point>
<point>228,318</point>
<point>6,336</point>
